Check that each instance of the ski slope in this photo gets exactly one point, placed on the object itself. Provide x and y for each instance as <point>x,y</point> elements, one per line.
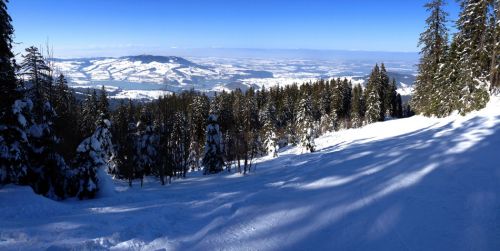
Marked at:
<point>409,184</point>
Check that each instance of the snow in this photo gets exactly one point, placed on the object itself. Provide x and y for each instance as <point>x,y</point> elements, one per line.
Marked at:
<point>143,78</point>
<point>410,184</point>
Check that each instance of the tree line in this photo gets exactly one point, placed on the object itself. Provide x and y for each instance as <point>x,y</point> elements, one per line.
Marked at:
<point>458,75</point>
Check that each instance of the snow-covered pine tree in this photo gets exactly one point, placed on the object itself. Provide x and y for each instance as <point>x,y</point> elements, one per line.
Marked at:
<point>180,140</point>
<point>306,123</point>
<point>356,107</point>
<point>372,97</point>
<point>495,53</point>
<point>433,43</point>
<point>346,101</point>
<point>147,144</point>
<point>383,87</point>
<point>213,160</point>
<point>37,78</point>
<point>47,167</point>
<point>67,109</point>
<point>448,82</point>
<point>472,26</point>
<point>336,104</point>
<point>399,106</point>
<point>14,144</point>
<point>268,118</point>
<point>198,111</point>
<point>13,120</point>
<point>95,155</point>
<point>391,99</point>
<point>103,103</point>
<point>326,120</point>
<point>89,113</point>
<point>288,115</point>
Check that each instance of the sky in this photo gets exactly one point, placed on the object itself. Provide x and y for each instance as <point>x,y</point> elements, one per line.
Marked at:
<point>79,28</point>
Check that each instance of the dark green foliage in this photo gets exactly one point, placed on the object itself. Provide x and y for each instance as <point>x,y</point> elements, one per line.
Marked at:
<point>455,77</point>
<point>213,161</point>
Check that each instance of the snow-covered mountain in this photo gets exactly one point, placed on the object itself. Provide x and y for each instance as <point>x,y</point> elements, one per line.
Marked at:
<point>148,77</point>
<point>410,184</point>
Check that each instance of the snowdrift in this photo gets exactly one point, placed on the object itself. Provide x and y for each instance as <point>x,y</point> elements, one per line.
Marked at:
<point>410,184</point>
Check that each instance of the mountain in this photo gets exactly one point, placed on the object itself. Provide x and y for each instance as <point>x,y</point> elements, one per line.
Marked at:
<point>149,76</point>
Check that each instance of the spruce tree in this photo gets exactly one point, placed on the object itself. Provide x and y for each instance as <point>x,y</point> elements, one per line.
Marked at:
<point>356,107</point>
<point>9,84</point>
<point>103,103</point>
<point>37,79</point>
<point>391,99</point>
<point>433,43</point>
<point>213,160</point>
<point>472,26</point>
<point>495,48</point>
<point>95,155</point>
<point>383,87</point>
<point>373,99</point>
<point>306,125</point>
<point>14,112</point>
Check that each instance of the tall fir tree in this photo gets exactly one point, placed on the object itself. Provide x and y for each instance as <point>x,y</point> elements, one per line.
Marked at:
<point>471,39</point>
<point>37,79</point>
<point>372,96</point>
<point>305,122</point>
<point>433,43</point>
<point>14,112</point>
<point>213,161</point>
<point>357,106</point>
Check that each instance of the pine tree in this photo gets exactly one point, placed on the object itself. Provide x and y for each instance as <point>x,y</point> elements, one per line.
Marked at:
<point>495,48</point>
<point>47,166</point>
<point>37,78</point>
<point>181,141</point>
<point>326,121</point>
<point>198,111</point>
<point>383,87</point>
<point>90,113</point>
<point>95,155</point>
<point>399,106</point>
<point>357,106</point>
<point>433,42</point>
<point>146,145</point>
<point>472,26</point>
<point>268,119</point>
<point>103,104</point>
<point>391,99</point>
<point>372,97</point>
<point>66,108</point>
<point>306,126</point>
<point>14,111</point>
<point>213,160</point>
<point>9,84</point>
<point>450,87</point>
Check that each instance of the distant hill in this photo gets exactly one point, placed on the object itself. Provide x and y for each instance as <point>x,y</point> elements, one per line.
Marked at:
<point>150,76</point>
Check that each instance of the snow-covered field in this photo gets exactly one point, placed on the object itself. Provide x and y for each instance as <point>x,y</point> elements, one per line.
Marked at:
<point>147,77</point>
<point>409,184</point>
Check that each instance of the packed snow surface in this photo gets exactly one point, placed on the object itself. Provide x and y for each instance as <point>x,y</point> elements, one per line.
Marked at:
<point>409,184</point>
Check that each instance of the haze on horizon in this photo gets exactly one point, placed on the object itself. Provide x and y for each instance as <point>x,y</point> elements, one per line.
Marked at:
<point>94,28</point>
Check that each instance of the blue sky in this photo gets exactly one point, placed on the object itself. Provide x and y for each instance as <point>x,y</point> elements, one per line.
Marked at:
<point>121,27</point>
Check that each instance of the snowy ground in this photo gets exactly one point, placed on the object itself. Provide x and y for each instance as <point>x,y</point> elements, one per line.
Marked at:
<point>411,184</point>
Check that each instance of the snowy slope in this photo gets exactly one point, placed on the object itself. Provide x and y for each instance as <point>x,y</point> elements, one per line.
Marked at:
<point>147,76</point>
<point>410,184</point>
